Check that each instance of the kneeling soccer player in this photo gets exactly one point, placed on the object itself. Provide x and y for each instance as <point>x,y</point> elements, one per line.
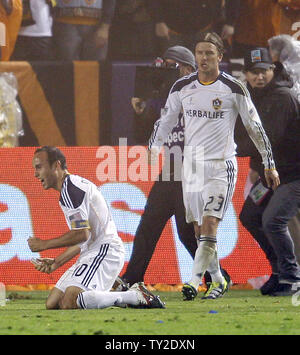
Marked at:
<point>93,235</point>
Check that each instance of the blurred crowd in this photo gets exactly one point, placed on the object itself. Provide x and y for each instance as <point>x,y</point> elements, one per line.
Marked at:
<point>137,29</point>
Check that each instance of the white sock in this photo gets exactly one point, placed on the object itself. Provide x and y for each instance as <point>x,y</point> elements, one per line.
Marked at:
<point>203,257</point>
<point>215,270</point>
<point>101,299</point>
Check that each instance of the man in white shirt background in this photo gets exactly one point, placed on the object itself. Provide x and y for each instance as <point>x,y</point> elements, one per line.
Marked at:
<point>34,42</point>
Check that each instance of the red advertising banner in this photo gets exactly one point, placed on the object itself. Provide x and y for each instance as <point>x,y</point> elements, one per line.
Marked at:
<point>27,210</point>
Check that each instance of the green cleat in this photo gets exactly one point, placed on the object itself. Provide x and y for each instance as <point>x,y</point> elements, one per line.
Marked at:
<point>189,292</point>
<point>216,290</point>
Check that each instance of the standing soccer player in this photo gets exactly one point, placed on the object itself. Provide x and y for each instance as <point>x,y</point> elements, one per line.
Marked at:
<point>93,235</point>
<point>210,101</point>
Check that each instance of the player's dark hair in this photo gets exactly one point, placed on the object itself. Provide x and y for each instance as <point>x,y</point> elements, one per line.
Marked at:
<point>54,154</point>
<point>213,38</point>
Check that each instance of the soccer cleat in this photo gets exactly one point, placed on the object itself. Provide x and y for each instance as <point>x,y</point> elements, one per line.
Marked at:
<point>270,286</point>
<point>189,292</point>
<point>283,290</point>
<point>120,285</point>
<point>145,297</point>
<point>289,278</point>
<point>216,290</point>
<point>227,278</point>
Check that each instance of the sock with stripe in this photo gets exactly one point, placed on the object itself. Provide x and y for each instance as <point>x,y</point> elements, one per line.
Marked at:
<point>104,299</point>
<point>203,257</point>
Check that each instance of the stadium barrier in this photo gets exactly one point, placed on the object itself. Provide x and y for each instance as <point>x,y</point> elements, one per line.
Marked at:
<point>27,210</point>
<point>61,102</point>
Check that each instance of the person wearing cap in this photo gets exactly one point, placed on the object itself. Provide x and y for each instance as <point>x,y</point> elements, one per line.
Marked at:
<point>210,101</point>
<point>266,213</point>
<point>175,57</point>
<point>165,198</point>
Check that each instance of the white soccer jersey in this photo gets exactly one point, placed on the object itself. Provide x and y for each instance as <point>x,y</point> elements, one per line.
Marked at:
<point>210,112</point>
<point>84,207</point>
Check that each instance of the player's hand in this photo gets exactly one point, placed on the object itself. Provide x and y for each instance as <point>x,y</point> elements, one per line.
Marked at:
<point>272,178</point>
<point>153,154</point>
<point>36,244</point>
<point>46,265</point>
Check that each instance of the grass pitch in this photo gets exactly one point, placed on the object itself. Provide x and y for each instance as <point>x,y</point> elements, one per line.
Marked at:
<point>238,312</point>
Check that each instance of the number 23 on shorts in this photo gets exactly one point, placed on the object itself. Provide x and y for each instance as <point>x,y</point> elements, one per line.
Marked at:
<point>214,203</point>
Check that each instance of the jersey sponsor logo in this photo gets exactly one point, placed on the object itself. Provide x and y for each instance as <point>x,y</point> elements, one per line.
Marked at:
<point>205,114</point>
<point>217,104</point>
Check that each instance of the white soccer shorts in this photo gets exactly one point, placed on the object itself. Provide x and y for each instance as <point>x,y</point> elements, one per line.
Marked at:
<point>97,270</point>
<point>211,192</point>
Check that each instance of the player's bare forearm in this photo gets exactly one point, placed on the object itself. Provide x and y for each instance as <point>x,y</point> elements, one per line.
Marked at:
<point>72,237</point>
<point>48,265</point>
<point>67,255</point>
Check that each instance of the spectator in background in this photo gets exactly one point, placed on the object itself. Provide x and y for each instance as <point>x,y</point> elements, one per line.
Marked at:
<point>178,22</point>
<point>265,214</point>
<point>81,29</point>
<point>132,32</point>
<point>11,17</point>
<point>147,111</point>
<point>285,49</point>
<point>260,20</point>
<point>34,41</point>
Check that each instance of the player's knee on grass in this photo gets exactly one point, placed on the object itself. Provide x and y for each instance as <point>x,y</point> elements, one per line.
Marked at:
<point>68,301</point>
<point>52,304</point>
<point>52,301</point>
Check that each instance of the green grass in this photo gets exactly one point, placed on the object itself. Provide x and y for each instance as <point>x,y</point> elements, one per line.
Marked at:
<point>238,312</point>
